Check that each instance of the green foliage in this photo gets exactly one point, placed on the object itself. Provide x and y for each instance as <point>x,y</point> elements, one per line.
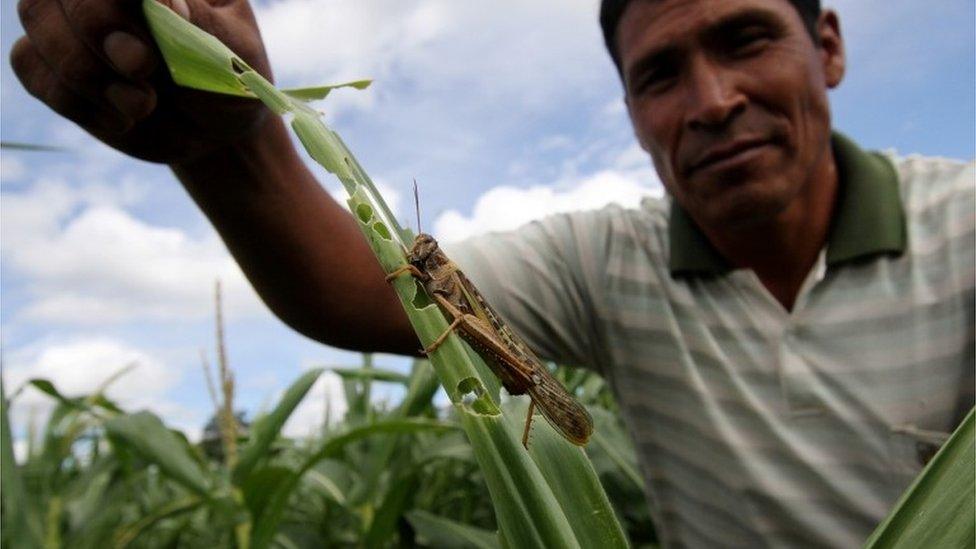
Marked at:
<point>939,508</point>
<point>378,477</point>
<point>144,434</point>
<point>405,476</point>
<point>446,533</point>
<point>266,429</point>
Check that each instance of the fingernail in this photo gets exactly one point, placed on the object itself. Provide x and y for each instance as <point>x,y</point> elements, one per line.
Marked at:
<point>180,7</point>
<point>133,102</point>
<point>131,56</point>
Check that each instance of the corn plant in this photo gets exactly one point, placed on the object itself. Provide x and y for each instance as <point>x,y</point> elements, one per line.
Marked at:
<point>939,508</point>
<point>549,497</point>
<point>106,478</point>
<point>102,477</point>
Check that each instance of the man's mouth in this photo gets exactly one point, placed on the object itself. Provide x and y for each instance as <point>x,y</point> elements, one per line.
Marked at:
<point>729,154</point>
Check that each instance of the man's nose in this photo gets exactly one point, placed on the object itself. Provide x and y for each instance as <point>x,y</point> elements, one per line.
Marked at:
<point>713,100</point>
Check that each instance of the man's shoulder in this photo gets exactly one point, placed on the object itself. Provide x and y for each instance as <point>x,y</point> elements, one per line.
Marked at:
<point>652,209</point>
<point>589,235</point>
<point>939,199</point>
<point>649,216</point>
<point>928,182</point>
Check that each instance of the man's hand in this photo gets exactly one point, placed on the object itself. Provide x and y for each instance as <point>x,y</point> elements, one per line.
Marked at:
<point>94,62</point>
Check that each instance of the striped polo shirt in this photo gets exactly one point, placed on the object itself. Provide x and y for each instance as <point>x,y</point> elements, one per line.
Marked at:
<point>757,426</point>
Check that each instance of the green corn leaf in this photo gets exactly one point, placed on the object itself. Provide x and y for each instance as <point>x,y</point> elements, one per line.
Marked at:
<point>375,374</point>
<point>29,147</point>
<point>264,432</point>
<point>395,502</point>
<point>79,403</point>
<point>609,439</point>
<point>130,532</point>
<point>573,481</point>
<point>393,426</point>
<point>939,508</point>
<point>330,478</point>
<point>320,92</point>
<point>450,447</point>
<point>146,435</point>
<point>448,534</point>
<point>45,386</point>
<point>258,487</point>
<point>518,489</point>
<point>421,388</point>
<point>202,61</point>
<point>322,144</point>
<point>266,526</point>
<point>377,462</point>
<point>268,94</point>
<point>16,528</point>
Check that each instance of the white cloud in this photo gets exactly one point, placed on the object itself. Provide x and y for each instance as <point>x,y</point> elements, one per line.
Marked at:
<point>432,43</point>
<point>88,260</point>
<point>504,208</point>
<point>79,366</point>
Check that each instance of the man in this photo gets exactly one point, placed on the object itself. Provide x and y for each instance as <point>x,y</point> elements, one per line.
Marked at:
<point>784,333</point>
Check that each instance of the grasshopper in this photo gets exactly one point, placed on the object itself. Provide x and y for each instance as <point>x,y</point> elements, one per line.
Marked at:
<point>518,368</point>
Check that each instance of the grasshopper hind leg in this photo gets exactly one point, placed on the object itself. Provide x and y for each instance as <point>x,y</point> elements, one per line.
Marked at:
<point>440,339</point>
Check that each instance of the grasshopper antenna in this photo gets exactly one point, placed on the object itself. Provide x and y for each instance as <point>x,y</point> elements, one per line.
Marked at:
<point>416,203</point>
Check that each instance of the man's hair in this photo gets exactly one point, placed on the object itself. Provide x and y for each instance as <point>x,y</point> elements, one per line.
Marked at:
<point>612,10</point>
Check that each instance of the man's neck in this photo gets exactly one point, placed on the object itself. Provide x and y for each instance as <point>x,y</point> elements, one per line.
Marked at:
<point>782,251</point>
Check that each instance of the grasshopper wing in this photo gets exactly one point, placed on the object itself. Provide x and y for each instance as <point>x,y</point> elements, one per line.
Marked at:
<point>565,414</point>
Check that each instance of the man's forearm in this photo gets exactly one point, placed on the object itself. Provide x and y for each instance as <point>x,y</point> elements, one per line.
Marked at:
<point>299,248</point>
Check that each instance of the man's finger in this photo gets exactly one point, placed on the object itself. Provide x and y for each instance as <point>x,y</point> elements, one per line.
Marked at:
<point>40,80</point>
<point>55,41</point>
<point>76,66</point>
<point>113,30</point>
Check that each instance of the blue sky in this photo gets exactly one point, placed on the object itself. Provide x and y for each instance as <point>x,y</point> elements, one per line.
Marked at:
<point>503,111</point>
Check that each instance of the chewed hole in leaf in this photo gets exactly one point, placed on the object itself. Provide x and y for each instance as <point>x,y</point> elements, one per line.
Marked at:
<point>420,298</point>
<point>364,212</point>
<point>238,66</point>
<point>474,397</point>
<point>381,230</point>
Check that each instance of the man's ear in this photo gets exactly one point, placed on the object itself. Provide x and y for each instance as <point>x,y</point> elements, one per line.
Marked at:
<point>831,47</point>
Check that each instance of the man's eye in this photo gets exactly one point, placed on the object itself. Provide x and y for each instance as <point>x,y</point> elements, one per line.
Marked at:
<point>654,80</point>
<point>749,42</point>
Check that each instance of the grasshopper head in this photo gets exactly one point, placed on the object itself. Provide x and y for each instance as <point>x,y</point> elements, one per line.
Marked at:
<point>424,247</point>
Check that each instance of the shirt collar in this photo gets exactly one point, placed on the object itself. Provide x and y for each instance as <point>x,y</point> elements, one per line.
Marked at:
<point>868,220</point>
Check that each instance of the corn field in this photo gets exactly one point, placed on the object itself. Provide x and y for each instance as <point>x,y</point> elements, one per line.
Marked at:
<point>413,475</point>
<point>404,476</point>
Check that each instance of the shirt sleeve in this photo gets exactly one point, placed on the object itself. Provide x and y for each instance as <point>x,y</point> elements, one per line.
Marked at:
<point>544,279</point>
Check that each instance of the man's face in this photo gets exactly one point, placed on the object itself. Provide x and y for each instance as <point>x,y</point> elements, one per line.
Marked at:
<point>730,99</point>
